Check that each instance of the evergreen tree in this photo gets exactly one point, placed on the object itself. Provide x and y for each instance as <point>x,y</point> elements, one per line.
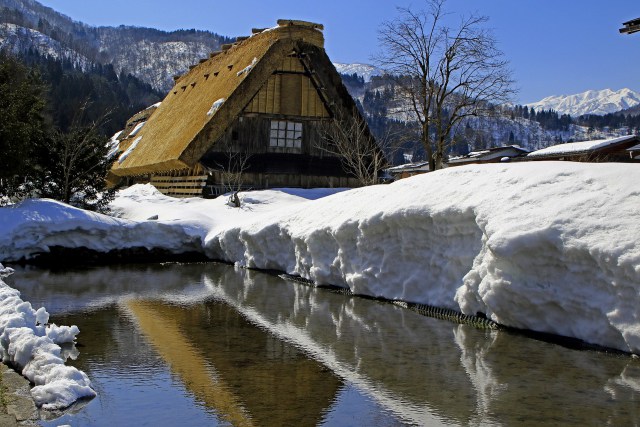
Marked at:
<point>22,124</point>
<point>63,158</point>
<point>72,168</point>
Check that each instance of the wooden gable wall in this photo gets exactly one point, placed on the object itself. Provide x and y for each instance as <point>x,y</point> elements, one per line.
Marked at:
<point>289,91</point>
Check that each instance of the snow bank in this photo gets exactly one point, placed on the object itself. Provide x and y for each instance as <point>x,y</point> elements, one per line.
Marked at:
<point>30,345</point>
<point>180,225</point>
<point>5,271</point>
<point>34,226</point>
<point>546,246</point>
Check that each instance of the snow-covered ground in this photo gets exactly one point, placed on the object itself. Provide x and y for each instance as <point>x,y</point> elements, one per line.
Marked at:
<point>547,246</point>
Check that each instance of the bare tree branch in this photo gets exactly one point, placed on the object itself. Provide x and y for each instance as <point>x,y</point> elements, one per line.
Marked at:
<point>232,171</point>
<point>348,137</point>
<point>444,73</point>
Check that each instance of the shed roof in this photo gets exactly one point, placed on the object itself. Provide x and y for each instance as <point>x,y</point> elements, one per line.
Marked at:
<point>580,148</point>
<point>488,154</point>
<point>409,167</point>
<point>206,99</point>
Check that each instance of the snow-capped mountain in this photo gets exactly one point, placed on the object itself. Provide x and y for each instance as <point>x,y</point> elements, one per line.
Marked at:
<point>599,102</point>
<point>365,71</point>
<point>152,55</point>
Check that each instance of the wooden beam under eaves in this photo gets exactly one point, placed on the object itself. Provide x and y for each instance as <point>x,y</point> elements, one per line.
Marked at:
<point>631,27</point>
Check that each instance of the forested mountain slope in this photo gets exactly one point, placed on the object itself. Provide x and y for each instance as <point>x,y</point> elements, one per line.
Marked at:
<point>152,55</point>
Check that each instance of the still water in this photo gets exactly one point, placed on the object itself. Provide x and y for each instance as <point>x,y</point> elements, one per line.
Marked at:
<point>208,344</point>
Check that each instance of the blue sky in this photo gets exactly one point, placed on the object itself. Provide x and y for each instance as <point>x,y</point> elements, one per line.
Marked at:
<point>555,47</point>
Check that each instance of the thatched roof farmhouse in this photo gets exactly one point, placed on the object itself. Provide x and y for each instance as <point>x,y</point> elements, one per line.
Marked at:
<point>266,97</point>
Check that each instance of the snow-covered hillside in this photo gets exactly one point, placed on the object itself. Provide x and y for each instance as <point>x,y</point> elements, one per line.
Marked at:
<point>365,71</point>
<point>153,56</point>
<point>153,61</point>
<point>599,102</point>
<point>18,39</point>
<point>547,246</point>
<point>501,130</point>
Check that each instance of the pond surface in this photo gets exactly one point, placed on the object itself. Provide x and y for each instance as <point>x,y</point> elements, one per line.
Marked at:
<point>208,344</point>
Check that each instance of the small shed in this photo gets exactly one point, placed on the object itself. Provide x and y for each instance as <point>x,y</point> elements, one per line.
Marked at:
<point>601,150</point>
<point>490,155</point>
<point>408,169</point>
<point>255,109</point>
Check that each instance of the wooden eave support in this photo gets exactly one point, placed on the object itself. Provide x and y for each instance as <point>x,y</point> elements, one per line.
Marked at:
<point>631,27</point>
<point>288,22</point>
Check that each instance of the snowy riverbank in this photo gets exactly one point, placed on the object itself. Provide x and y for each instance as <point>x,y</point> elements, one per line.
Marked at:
<point>31,345</point>
<point>547,246</point>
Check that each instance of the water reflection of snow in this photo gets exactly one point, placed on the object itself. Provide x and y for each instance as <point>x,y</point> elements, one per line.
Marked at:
<point>422,370</point>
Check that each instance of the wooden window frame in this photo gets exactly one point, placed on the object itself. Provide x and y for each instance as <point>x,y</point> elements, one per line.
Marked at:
<point>286,134</point>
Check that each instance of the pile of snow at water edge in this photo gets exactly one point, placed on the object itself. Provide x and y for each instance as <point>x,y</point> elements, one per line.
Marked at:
<point>546,246</point>
<point>141,217</point>
<point>31,346</point>
<point>5,271</point>
<point>34,226</point>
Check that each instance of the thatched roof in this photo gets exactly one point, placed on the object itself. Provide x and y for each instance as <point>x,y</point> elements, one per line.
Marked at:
<point>206,100</point>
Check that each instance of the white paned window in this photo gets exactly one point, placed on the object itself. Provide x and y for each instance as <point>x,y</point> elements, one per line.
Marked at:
<point>285,134</point>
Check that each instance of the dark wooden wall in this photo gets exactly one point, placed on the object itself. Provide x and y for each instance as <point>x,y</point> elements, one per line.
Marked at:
<point>267,167</point>
<point>250,133</point>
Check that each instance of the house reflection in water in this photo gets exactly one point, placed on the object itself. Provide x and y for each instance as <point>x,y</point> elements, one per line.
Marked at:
<point>242,372</point>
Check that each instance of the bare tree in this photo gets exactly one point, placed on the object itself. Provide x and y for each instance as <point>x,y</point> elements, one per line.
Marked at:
<point>444,73</point>
<point>347,136</point>
<point>231,170</point>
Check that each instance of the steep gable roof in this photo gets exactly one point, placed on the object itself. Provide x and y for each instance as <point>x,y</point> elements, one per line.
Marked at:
<point>205,100</point>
